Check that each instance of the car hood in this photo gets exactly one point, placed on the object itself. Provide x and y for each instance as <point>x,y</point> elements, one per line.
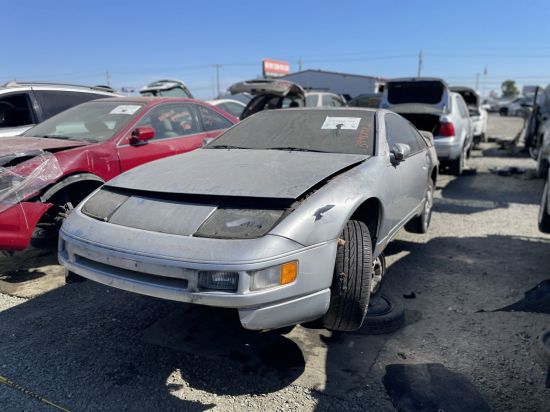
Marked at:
<point>24,144</point>
<point>239,172</point>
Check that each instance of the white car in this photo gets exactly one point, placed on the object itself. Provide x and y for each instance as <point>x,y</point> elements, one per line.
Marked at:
<point>24,104</point>
<point>478,112</point>
<point>231,106</point>
<point>324,99</point>
<point>429,105</point>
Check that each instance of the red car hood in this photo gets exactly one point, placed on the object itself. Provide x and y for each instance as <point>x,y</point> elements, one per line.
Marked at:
<point>22,144</point>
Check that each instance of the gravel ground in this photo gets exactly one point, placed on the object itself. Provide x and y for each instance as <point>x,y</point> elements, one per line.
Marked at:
<point>88,347</point>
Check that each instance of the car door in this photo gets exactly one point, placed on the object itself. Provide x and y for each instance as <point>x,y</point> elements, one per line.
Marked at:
<point>464,120</point>
<point>412,173</point>
<point>177,130</point>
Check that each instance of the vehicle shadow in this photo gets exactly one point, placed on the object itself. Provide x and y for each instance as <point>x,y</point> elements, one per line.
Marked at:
<point>487,191</point>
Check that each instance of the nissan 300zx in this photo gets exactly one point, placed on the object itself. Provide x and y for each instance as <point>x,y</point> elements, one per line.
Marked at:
<point>284,217</point>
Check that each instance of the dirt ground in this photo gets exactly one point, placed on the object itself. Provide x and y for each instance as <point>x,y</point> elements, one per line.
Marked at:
<point>88,347</point>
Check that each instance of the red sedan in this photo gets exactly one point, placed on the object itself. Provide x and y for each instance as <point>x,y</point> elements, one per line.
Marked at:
<point>53,166</point>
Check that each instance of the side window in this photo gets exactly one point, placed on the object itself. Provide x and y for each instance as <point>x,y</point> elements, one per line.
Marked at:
<point>327,100</point>
<point>171,120</point>
<point>56,101</point>
<point>336,102</point>
<point>15,110</point>
<point>232,108</point>
<point>462,107</point>
<point>212,120</point>
<point>398,130</point>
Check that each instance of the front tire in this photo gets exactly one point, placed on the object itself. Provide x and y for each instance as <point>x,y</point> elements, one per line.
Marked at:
<point>351,282</point>
<point>542,164</point>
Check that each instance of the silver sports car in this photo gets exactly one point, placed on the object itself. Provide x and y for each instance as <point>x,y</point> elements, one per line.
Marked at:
<point>284,217</point>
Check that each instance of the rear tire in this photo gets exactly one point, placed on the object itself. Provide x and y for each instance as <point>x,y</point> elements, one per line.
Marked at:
<point>544,217</point>
<point>351,282</point>
<point>456,167</point>
<point>421,224</point>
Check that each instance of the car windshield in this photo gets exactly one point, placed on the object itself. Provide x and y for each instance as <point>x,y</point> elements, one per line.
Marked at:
<point>96,121</point>
<point>430,92</point>
<point>331,131</point>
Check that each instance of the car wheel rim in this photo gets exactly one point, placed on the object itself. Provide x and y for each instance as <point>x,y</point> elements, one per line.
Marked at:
<point>377,275</point>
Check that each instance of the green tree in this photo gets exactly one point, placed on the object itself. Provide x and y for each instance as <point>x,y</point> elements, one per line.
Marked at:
<point>509,88</point>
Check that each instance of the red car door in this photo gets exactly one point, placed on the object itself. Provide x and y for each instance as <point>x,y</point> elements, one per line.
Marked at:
<point>177,130</point>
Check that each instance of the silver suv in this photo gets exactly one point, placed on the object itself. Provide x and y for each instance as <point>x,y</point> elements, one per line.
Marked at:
<point>24,104</point>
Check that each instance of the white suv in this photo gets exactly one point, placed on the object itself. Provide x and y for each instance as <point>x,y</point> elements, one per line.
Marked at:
<point>24,104</point>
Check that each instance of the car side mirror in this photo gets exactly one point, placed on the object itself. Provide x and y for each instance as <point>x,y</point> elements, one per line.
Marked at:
<point>140,135</point>
<point>399,152</point>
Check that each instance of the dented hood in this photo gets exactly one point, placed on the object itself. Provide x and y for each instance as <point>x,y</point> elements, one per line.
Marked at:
<point>23,144</point>
<point>238,172</point>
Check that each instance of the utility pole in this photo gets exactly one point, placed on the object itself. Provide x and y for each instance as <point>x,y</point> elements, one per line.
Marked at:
<point>217,67</point>
<point>420,61</point>
<point>300,64</point>
<point>108,77</point>
<point>477,82</point>
<point>484,79</point>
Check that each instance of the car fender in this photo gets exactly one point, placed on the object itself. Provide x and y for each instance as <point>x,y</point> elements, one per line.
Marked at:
<point>322,215</point>
<point>67,181</point>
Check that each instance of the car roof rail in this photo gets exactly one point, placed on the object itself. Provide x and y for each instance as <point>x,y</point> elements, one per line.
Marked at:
<point>16,83</point>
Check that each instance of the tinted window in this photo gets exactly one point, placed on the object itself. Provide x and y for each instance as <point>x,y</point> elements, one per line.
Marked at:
<point>93,122</point>
<point>232,108</point>
<point>398,130</point>
<point>212,120</point>
<point>311,100</point>
<point>171,120</point>
<point>54,102</point>
<point>430,92</point>
<point>15,110</point>
<point>331,131</point>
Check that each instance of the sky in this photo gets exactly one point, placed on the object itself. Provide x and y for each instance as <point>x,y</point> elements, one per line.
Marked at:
<point>131,43</point>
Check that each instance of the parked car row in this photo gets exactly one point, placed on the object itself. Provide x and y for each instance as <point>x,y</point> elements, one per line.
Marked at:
<point>175,198</point>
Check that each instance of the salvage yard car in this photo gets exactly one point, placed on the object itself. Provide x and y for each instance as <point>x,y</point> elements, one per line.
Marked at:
<point>269,94</point>
<point>478,112</point>
<point>282,217</point>
<point>53,166</point>
<point>23,104</point>
<point>430,105</point>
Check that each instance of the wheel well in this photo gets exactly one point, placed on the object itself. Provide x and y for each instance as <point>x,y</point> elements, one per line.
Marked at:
<point>74,192</point>
<point>370,213</point>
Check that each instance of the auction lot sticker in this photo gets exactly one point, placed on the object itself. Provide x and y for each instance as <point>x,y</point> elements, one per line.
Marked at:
<point>342,123</point>
<point>125,109</point>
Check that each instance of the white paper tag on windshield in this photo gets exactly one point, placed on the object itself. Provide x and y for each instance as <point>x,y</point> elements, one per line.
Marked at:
<point>342,123</point>
<point>125,109</point>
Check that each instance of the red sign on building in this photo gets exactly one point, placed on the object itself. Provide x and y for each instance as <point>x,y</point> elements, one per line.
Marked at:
<point>275,68</point>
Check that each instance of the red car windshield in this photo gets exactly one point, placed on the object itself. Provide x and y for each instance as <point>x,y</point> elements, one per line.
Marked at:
<point>92,122</point>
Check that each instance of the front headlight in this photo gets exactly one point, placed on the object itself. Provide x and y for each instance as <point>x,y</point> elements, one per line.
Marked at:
<point>274,276</point>
<point>239,223</point>
<point>103,204</point>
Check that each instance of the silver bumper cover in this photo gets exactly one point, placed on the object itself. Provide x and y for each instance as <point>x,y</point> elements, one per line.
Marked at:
<point>106,255</point>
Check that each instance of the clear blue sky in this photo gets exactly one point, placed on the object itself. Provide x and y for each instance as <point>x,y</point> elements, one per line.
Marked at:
<point>138,41</point>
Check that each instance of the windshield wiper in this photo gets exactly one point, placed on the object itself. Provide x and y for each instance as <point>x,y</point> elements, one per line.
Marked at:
<point>296,149</point>
<point>225,146</point>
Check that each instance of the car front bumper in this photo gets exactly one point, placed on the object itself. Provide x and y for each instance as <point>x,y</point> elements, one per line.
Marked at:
<point>168,268</point>
<point>17,223</point>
